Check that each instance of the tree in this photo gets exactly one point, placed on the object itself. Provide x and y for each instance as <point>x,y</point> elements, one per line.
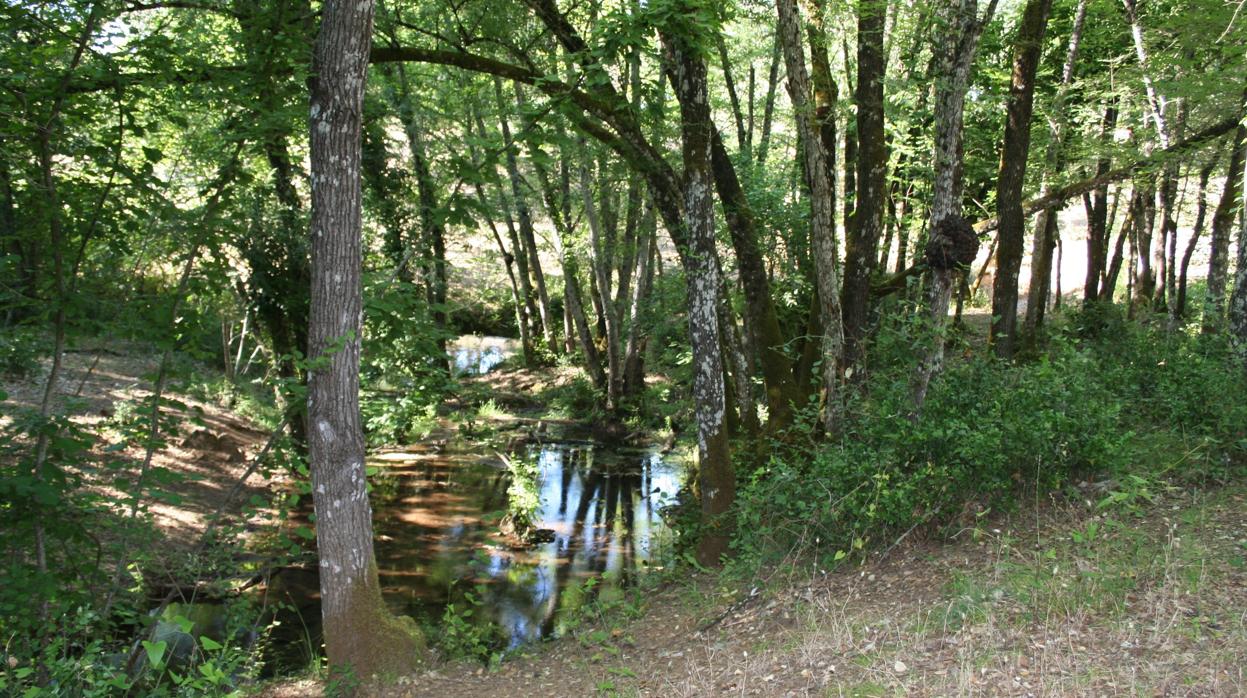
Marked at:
<point>862,236</point>
<point>1012,177</point>
<point>361,637</point>
<point>950,249</point>
<point>1222,220</point>
<point>822,211</point>
<point>716,478</point>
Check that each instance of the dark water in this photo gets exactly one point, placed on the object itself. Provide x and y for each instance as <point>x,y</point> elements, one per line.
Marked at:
<point>440,535</point>
<point>438,538</point>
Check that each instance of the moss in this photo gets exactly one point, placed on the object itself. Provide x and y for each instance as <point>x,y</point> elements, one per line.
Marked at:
<point>368,646</point>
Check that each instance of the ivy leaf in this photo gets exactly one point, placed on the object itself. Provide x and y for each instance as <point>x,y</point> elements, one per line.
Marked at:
<point>155,651</point>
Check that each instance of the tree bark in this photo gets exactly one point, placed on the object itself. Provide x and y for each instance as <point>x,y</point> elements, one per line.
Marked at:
<point>1238,298</point>
<point>527,256</point>
<point>738,117</point>
<point>634,347</point>
<point>1097,216</point>
<point>1012,177</point>
<point>862,237</point>
<point>600,263</point>
<point>1046,225</point>
<point>1222,220</point>
<point>761,319</point>
<point>1201,210</point>
<point>716,478</point>
<point>956,48</point>
<point>361,637</point>
<point>768,108</point>
<point>822,211</point>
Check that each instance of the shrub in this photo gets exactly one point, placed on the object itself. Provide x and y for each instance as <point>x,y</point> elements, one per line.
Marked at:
<point>989,431</point>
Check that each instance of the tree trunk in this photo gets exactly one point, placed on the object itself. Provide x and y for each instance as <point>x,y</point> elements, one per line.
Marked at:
<point>1108,284</point>
<point>1144,279</point>
<point>1097,216</point>
<point>822,211</point>
<point>509,260</point>
<point>738,117</point>
<point>634,348</point>
<point>1046,225</point>
<point>957,45</point>
<point>1222,220</point>
<point>1201,210</point>
<point>527,256</point>
<point>1238,299</point>
<point>716,478</point>
<point>768,109</point>
<point>361,637</point>
<point>1012,177</point>
<point>862,238</point>
<point>600,263</point>
<point>761,321</point>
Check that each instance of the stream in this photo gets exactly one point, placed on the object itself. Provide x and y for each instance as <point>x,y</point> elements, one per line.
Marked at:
<point>437,512</point>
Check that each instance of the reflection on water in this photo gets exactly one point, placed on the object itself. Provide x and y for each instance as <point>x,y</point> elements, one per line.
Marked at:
<point>436,521</point>
<point>474,355</point>
<point>441,532</point>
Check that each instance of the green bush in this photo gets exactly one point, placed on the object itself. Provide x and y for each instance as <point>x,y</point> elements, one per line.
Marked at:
<point>989,431</point>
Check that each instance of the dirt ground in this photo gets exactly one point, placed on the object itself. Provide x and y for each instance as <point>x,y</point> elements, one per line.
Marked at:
<point>209,452</point>
<point>1058,600</point>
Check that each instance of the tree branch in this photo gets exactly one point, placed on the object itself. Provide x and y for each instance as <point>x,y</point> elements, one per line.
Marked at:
<point>1059,195</point>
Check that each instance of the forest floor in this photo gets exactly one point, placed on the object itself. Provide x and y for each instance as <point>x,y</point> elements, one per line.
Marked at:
<point>102,388</point>
<point>1059,598</point>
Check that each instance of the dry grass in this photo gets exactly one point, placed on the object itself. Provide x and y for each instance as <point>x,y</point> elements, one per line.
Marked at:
<point>1060,601</point>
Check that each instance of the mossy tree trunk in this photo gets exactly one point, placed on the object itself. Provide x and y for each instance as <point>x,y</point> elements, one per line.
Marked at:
<point>361,637</point>
<point>822,208</point>
<point>960,29</point>
<point>716,478</point>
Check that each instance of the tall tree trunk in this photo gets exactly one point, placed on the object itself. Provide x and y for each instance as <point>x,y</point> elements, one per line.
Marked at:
<point>1201,210</point>
<point>433,231</point>
<point>761,320</point>
<point>1238,298</point>
<point>768,109</point>
<point>738,117</point>
<point>634,347</point>
<point>1012,176</point>
<point>508,259</point>
<point>850,147</point>
<point>716,478</point>
<point>361,637</point>
<point>1097,215</point>
<point>529,262</point>
<point>822,211</point>
<point>956,47</point>
<point>862,237</point>
<point>1108,284</point>
<point>1222,220</point>
<point>1046,225</point>
<point>600,263</point>
<point>1144,278</point>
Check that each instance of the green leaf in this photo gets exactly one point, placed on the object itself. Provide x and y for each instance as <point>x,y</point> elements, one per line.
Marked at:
<point>155,651</point>
<point>209,644</point>
<point>304,532</point>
